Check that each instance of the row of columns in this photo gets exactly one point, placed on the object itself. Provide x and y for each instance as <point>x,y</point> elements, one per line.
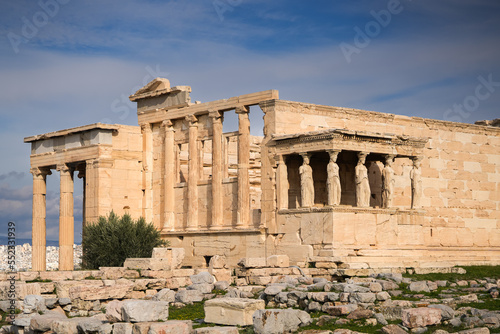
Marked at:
<point>363,192</point>
<point>66,218</point>
<point>243,197</point>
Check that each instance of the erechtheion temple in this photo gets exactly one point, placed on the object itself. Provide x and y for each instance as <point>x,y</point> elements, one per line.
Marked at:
<point>324,184</point>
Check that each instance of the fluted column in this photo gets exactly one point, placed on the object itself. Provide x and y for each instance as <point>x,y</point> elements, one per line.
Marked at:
<point>192,184</point>
<point>169,181</point>
<point>243,214</point>
<point>282,183</point>
<point>38,262</point>
<point>147,168</point>
<point>217,171</point>
<point>66,218</point>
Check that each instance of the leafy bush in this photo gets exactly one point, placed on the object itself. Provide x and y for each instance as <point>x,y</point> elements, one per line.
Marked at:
<point>113,239</point>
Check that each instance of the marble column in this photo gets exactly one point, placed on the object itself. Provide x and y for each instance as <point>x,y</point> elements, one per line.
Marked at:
<point>192,183</point>
<point>217,171</point>
<point>169,177</point>
<point>243,213</point>
<point>282,183</point>
<point>66,218</point>
<point>38,262</point>
<point>147,168</point>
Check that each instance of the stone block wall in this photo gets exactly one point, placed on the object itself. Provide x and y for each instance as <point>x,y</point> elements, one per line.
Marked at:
<point>460,199</point>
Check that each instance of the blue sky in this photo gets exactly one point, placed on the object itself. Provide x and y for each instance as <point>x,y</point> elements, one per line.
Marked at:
<point>65,63</point>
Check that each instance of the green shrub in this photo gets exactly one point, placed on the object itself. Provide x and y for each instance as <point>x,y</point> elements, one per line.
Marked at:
<point>113,239</point>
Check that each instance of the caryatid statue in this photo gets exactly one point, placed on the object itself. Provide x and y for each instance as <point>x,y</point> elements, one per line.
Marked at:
<point>362,185</point>
<point>333,179</point>
<point>306,183</point>
<point>388,182</point>
<point>416,183</point>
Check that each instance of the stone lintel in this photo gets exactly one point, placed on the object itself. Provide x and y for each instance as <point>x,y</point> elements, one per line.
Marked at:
<point>66,132</point>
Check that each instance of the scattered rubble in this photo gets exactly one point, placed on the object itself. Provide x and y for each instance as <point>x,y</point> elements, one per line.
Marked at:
<point>126,300</point>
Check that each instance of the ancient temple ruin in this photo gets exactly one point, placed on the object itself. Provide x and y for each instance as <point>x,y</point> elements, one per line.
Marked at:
<point>323,185</point>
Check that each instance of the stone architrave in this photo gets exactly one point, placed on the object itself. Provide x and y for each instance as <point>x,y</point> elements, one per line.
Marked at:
<point>416,183</point>
<point>38,261</point>
<point>362,184</point>
<point>333,180</point>
<point>306,182</point>
<point>388,182</point>
<point>66,218</point>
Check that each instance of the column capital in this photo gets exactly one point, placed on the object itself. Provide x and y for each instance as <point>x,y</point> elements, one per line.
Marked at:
<point>40,171</point>
<point>334,151</point>
<point>64,168</point>
<point>280,158</point>
<point>418,158</point>
<point>305,155</point>
<point>167,123</point>
<point>215,115</point>
<point>146,127</point>
<point>241,109</point>
<point>81,170</point>
<point>192,120</point>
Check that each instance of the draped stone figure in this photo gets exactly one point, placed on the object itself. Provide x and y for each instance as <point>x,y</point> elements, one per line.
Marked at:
<point>388,183</point>
<point>362,184</point>
<point>416,184</point>
<point>333,179</point>
<point>306,183</point>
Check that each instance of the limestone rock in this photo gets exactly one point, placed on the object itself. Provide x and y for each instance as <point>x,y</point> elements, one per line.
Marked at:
<point>341,309</point>
<point>447,312</point>
<point>217,262</point>
<point>144,310</point>
<point>274,289</point>
<point>393,329</point>
<point>42,323</point>
<point>421,317</point>
<point>362,297</point>
<point>419,286</point>
<point>232,311</point>
<point>85,292</point>
<point>203,277</point>
<point>165,295</point>
<point>277,321</point>
<point>278,261</point>
<point>188,296</point>
<point>256,262</point>
<point>482,330</point>
<point>23,320</point>
<point>360,314</point>
<point>114,311</point>
<point>175,256</point>
<point>123,328</point>
<point>171,326</point>
<point>92,325</point>
<point>201,287</point>
<point>65,326</point>
<point>34,303</point>
<point>216,330</point>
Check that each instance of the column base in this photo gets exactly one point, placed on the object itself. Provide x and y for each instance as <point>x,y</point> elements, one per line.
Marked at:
<point>216,228</point>
<point>191,229</point>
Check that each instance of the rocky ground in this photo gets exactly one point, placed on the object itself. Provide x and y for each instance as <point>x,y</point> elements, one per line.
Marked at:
<point>387,303</point>
<point>23,257</point>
